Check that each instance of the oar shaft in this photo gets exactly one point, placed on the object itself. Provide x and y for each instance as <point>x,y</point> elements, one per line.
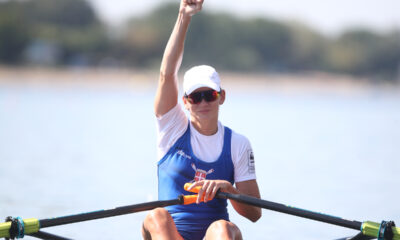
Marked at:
<point>107,213</point>
<point>48,236</point>
<point>291,210</point>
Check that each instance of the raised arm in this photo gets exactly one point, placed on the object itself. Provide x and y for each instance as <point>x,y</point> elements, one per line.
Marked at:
<point>167,91</point>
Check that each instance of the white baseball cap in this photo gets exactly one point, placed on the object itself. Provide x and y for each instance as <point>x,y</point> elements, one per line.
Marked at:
<point>201,76</point>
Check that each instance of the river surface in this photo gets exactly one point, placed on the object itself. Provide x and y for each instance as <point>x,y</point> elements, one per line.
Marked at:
<point>66,150</point>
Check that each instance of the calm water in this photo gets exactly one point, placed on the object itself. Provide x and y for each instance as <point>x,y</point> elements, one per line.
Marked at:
<point>72,150</point>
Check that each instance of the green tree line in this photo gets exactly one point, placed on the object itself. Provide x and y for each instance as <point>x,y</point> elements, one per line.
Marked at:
<point>68,32</point>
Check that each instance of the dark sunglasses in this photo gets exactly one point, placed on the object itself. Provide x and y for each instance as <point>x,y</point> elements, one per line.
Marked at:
<point>197,97</point>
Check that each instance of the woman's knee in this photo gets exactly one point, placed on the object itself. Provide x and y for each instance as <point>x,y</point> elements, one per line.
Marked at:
<point>156,220</point>
<point>223,229</point>
<point>159,224</point>
<point>157,216</point>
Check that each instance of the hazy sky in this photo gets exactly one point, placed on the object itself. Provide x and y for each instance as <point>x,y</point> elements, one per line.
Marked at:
<point>328,16</point>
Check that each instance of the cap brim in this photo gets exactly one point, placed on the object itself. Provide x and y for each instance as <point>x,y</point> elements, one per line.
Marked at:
<point>200,85</point>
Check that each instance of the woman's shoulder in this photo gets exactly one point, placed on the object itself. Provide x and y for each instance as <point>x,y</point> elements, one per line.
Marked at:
<point>239,139</point>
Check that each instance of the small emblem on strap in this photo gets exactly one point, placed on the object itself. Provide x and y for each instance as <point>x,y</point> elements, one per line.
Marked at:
<point>251,163</point>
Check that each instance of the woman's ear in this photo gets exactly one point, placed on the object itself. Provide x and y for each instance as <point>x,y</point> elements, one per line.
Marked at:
<point>185,103</point>
<point>222,97</point>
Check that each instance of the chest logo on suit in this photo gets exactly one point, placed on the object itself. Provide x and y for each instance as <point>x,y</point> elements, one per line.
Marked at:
<point>200,174</point>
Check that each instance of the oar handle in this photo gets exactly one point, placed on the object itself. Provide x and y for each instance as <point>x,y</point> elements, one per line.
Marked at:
<point>194,190</point>
<point>190,199</point>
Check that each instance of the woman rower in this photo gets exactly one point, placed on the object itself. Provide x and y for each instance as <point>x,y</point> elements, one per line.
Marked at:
<point>197,149</point>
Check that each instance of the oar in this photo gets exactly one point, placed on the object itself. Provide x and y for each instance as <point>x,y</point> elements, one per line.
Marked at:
<point>291,210</point>
<point>359,236</point>
<point>50,222</point>
<point>32,226</point>
<point>48,236</point>
<point>370,229</point>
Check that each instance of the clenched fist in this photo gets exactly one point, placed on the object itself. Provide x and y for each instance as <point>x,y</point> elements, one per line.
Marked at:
<point>191,7</point>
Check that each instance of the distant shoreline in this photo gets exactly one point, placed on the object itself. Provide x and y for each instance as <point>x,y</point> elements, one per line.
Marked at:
<point>147,79</point>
